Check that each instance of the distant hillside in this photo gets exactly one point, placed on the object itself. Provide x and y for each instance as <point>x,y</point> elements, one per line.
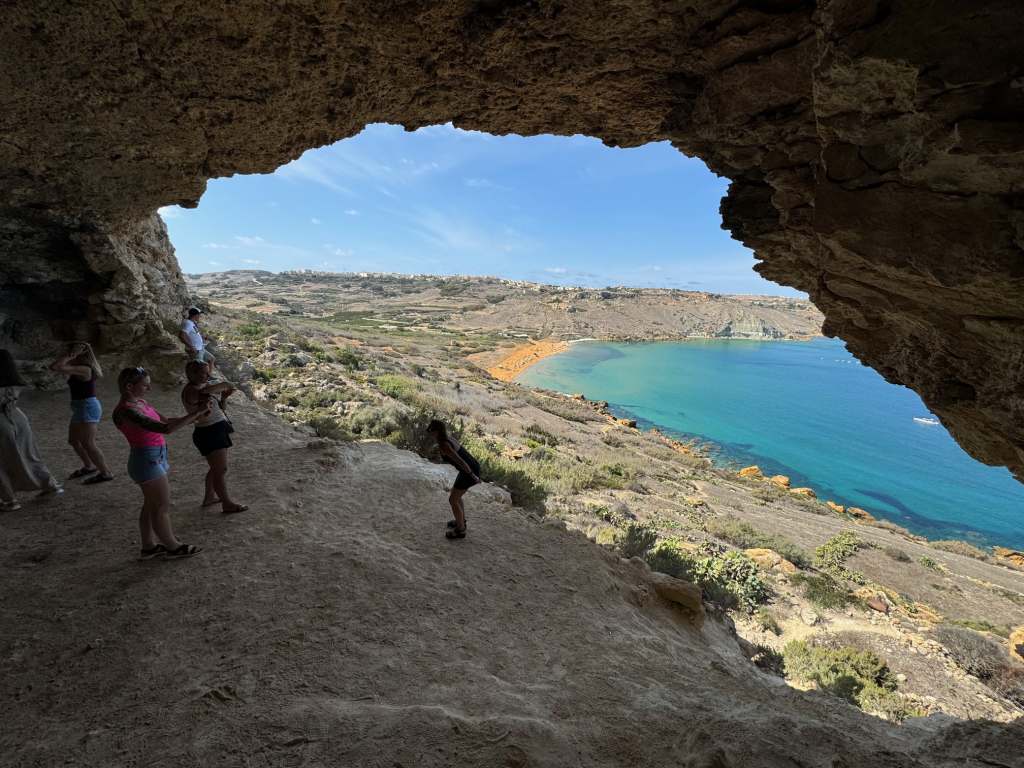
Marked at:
<point>513,308</point>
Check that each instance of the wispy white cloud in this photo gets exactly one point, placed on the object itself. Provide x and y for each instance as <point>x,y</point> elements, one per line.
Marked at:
<point>351,212</point>
<point>314,220</point>
<point>556,270</point>
<point>343,252</point>
<point>250,261</point>
<point>169,212</point>
<point>313,168</point>
<point>250,241</point>
<point>218,246</point>
<point>214,263</point>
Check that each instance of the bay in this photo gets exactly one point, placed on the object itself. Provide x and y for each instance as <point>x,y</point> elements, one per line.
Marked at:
<point>808,410</point>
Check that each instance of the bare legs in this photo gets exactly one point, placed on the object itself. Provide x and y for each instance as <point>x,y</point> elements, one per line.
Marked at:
<point>74,440</point>
<point>155,518</point>
<point>216,482</point>
<point>82,437</point>
<point>455,500</point>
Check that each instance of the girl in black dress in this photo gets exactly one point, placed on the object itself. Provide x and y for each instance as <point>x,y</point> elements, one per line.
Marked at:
<point>469,475</point>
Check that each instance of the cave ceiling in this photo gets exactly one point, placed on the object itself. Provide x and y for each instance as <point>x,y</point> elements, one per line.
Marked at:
<point>874,147</point>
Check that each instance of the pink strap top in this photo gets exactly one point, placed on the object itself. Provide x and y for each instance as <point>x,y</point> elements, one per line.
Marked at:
<point>138,437</point>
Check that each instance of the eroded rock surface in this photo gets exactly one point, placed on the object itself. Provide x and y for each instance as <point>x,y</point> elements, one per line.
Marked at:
<point>874,146</point>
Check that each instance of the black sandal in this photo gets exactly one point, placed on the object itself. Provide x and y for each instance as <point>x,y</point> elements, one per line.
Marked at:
<point>100,478</point>
<point>451,524</point>
<point>82,473</point>
<point>455,533</point>
<point>155,551</point>
<point>185,550</point>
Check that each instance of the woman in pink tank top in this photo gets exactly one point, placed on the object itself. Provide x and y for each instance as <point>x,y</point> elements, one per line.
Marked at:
<point>144,429</point>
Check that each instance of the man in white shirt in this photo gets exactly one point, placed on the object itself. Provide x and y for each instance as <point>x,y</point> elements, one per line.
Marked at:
<point>193,339</point>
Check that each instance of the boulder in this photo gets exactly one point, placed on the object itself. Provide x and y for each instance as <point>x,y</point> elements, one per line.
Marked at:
<point>753,471</point>
<point>810,617</point>
<point>1009,556</point>
<point>770,560</point>
<point>860,514</point>
<point>682,593</point>
<point>779,480</point>
<point>876,601</point>
<point>837,508</point>
<point>805,492</point>
<point>1017,644</point>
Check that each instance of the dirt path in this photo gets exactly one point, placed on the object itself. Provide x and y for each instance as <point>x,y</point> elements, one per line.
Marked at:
<point>334,625</point>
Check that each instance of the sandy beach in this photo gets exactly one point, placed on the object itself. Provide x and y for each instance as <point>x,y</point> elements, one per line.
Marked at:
<point>523,356</point>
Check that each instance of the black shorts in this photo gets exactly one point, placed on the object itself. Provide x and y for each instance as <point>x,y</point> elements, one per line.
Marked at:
<point>462,480</point>
<point>213,438</point>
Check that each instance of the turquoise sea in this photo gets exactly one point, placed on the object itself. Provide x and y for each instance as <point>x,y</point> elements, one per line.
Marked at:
<point>809,410</point>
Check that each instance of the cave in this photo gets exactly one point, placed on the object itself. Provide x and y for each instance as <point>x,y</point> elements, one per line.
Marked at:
<point>874,148</point>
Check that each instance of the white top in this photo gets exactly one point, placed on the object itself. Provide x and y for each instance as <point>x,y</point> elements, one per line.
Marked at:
<point>216,414</point>
<point>195,339</point>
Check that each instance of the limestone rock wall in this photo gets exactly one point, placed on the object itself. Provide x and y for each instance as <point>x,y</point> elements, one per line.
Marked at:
<point>875,146</point>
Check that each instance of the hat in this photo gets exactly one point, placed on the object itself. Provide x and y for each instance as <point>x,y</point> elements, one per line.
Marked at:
<point>193,311</point>
<point>9,371</point>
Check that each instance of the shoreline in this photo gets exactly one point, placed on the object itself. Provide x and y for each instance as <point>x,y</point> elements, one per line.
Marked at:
<point>523,356</point>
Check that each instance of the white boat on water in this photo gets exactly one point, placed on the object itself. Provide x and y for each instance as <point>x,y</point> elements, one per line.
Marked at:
<point>929,422</point>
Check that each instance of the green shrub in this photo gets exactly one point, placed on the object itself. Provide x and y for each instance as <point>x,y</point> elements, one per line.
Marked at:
<point>927,562</point>
<point>636,540</point>
<point>859,677</point>
<point>766,621</point>
<point>745,536</point>
<point>730,579</point>
<point>349,359</point>
<point>615,476</point>
<point>539,434</point>
<point>668,558</point>
<point>831,556</point>
<point>834,552</point>
<point>398,387</point>
<point>326,426</point>
<point>769,660</point>
<point>526,492</point>
<point>981,626</point>
<point>252,331</point>
<point>323,398</point>
<point>410,432</point>
<point>823,591</point>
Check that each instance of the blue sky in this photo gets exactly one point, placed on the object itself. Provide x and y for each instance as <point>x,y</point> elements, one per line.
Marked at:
<point>563,210</point>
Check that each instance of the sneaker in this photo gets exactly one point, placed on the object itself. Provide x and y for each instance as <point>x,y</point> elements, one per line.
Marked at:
<point>53,491</point>
<point>9,506</point>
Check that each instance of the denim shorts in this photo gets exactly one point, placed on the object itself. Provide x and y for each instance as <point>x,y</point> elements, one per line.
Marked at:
<point>145,464</point>
<point>87,411</point>
<point>202,356</point>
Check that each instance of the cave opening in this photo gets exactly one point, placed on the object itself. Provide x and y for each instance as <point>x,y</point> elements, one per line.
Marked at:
<point>572,212</point>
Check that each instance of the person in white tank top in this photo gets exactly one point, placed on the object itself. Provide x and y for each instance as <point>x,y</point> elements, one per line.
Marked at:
<point>212,433</point>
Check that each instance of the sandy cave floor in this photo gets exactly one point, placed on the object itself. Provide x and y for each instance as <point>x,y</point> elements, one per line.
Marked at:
<point>332,624</point>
